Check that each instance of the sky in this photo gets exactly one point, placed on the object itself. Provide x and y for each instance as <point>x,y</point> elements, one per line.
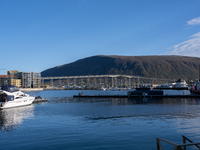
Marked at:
<point>36,35</point>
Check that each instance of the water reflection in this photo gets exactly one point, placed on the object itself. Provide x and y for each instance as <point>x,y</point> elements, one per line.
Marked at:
<point>11,118</point>
<point>142,109</point>
<point>124,108</point>
<point>127,101</point>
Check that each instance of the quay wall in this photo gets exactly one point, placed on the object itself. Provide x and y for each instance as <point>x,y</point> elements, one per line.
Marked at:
<point>31,89</point>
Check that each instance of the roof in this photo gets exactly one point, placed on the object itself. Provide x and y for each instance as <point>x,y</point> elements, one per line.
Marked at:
<point>5,76</point>
<point>9,88</point>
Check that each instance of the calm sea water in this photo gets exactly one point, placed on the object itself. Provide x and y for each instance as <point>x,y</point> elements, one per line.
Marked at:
<point>94,124</point>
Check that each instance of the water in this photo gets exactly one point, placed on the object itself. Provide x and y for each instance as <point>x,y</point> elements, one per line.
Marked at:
<point>94,124</point>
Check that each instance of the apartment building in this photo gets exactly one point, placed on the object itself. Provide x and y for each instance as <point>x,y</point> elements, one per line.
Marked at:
<point>14,74</point>
<point>30,79</point>
<point>25,79</point>
<point>15,79</point>
<point>5,80</point>
<point>36,80</point>
<point>16,82</point>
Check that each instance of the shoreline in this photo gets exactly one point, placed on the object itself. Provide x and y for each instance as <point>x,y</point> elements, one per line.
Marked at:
<point>31,89</point>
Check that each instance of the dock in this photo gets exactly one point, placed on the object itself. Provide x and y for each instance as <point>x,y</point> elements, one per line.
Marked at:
<point>39,100</point>
<point>137,96</point>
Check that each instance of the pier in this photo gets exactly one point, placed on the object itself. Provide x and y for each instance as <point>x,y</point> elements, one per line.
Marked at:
<point>137,96</point>
<point>39,100</point>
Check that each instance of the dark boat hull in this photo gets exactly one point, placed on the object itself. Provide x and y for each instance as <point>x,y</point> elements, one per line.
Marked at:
<point>195,92</point>
<point>145,92</point>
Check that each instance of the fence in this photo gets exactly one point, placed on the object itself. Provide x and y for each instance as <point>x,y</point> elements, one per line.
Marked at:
<point>177,146</point>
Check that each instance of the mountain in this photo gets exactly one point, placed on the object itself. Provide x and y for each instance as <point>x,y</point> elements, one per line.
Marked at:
<point>170,67</point>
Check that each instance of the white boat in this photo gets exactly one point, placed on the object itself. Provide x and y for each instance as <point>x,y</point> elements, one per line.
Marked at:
<point>10,96</point>
<point>103,89</point>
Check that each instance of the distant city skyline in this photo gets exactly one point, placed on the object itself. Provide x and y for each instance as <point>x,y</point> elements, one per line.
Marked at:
<point>41,34</point>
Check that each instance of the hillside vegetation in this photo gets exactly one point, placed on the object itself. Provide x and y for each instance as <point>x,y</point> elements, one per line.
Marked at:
<point>170,67</point>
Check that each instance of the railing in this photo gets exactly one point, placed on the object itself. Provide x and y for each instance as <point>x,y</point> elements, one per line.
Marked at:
<point>177,146</point>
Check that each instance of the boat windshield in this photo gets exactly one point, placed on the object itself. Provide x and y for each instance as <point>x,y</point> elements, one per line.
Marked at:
<point>10,88</point>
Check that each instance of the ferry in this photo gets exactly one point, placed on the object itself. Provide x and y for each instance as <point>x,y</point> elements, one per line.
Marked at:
<point>11,96</point>
<point>178,85</point>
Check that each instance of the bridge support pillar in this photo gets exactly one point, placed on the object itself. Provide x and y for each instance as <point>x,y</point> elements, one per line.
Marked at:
<point>112,82</point>
<point>88,82</point>
<point>52,82</point>
<point>106,82</point>
<point>81,82</point>
<point>68,82</point>
<point>95,82</point>
<point>60,83</point>
<point>74,81</point>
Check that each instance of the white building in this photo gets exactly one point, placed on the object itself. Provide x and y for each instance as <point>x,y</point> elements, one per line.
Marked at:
<point>30,79</point>
<point>27,79</point>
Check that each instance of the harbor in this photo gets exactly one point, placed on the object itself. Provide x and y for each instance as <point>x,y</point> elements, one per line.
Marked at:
<point>102,122</point>
<point>100,75</point>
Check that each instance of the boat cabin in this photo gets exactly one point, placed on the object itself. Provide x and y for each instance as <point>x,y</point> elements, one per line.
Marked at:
<point>4,97</point>
<point>181,83</point>
<point>9,88</point>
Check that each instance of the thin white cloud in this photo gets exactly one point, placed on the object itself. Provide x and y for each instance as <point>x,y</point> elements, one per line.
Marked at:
<point>190,47</point>
<point>195,21</point>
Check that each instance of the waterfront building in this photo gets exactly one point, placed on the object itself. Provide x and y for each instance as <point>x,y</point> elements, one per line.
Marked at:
<point>36,80</point>
<point>25,79</point>
<point>15,78</point>
<point>30,79</point>
<point>16,82</point>
<point>14,74</point>
<point>5,80</point>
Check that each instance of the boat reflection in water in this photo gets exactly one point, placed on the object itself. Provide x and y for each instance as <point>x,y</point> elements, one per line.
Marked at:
<point>11,118</point>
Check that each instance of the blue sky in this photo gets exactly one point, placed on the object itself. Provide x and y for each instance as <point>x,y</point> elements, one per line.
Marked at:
<point>39,34</point>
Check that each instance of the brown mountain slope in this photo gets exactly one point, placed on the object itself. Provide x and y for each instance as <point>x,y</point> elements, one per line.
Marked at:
<point>171,67</point>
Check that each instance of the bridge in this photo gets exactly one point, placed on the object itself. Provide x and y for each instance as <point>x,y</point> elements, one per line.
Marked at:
<point>101,81</point>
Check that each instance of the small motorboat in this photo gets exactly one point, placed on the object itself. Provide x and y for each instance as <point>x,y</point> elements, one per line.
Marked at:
<point>10,96</point>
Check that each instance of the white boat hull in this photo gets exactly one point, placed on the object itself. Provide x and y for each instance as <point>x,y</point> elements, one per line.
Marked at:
<point>17,102</point>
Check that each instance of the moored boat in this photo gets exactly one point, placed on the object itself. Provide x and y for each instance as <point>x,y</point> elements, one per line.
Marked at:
<point>10,96</point>
<point>145,91</point>
<point>196,88</point>
<point>178,85</point>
